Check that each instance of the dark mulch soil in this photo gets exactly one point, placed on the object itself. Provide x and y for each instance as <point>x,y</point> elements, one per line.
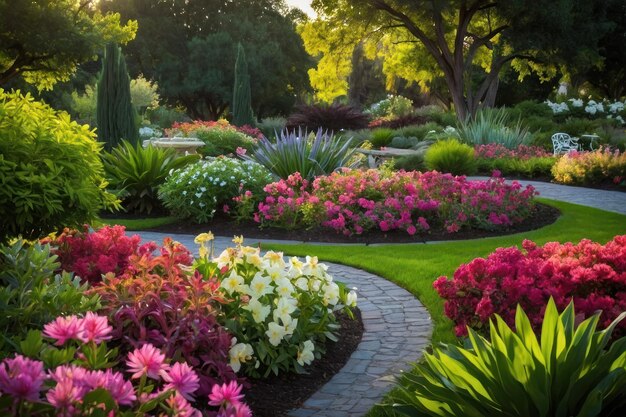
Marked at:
<point>275,396</point>
<point>222,225</point>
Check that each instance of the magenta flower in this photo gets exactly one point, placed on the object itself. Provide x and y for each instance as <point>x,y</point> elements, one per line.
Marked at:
<point>228,393</point>
<point>63,329</point>
<point>95,328</point>
<point>235,410</point>
<point>180,407</point>
<point>147,360</point>
<point>21,377</point>
<point>182,378</point>
<point>122,391</point>
<point>64,395</point>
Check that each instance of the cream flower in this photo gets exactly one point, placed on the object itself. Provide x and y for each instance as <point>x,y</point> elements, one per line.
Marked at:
<point>351,299</point>
<point>275,333</point>
<point>284,288</point>
<point>313,267</point>
<point>274,272</point>
<point>258,310</point>
<point>260,285</point>
<point>203,237</point>
<point>331,294</point>
<point>275,258</point>
<point>238,240</point>
<point>305,355</point>
<point>302,283</point>
<point>284,308</point>
<point>239,353</point>
<point>232,283</point>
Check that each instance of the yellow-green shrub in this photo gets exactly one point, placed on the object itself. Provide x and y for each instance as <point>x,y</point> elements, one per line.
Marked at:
<point>451,156</point>
<point>50,172</point>
<point>602,165</point>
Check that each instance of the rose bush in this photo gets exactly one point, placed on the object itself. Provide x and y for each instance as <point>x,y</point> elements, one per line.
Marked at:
<point>591,275</point>
<point>353,202</point>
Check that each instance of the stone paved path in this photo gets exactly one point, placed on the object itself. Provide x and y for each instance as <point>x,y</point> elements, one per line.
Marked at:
<point>602,199</point>
<point>397,329</point>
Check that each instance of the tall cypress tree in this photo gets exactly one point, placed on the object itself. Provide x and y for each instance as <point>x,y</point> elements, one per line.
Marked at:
<point>242,107</point>
<point>115,115</point>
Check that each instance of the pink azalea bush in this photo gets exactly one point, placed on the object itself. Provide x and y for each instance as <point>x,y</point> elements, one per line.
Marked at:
<point>591,275</point>
<point>91,255</point>
<point>496,150</point>
<point>85,384</point>
<point>353,202</point>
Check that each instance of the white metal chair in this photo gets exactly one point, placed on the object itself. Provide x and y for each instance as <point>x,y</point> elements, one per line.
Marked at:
<point>564,143</point>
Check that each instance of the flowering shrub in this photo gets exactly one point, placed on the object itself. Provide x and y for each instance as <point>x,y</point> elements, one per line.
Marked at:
<point>353,202</point>
<point>497,150</point>
<point>595,167</point>
<point>158,300</point>
<point>90,255</point>
<point>590,109</point>
<point>280,312</point>
<point>189,128</point>
<point>591,275</point>
<point>198,190</point>
<point>75,377</point>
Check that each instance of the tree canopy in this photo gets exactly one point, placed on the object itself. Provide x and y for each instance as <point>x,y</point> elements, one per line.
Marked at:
<point>43,41</point>
<point>467,43</point>
<point>189,48</point>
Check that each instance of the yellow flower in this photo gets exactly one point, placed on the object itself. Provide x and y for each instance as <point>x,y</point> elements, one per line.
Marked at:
<point>238,240</point>
<point>203,237</point>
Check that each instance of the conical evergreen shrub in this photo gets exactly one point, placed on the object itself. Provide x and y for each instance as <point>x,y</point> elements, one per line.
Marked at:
<point>115,115</point>
<point>241,105</point>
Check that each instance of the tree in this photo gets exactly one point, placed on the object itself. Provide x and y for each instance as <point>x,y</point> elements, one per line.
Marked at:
<point>193,59</point>
<point>466,42</point>
<point>115,115</point>
<point>44,40</point>
<point>242,112</point>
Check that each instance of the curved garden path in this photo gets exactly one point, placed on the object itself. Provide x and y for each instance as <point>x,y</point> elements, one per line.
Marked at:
<point>397,325</point>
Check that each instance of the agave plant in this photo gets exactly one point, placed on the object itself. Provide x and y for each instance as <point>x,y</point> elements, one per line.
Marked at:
<point>492,126</point>
<point>568,372</point>
<point>303,153</point>
<point>135,173</point>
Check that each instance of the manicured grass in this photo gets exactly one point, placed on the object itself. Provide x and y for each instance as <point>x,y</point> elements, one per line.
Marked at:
<point>139,224</point>
<point>416,266</point>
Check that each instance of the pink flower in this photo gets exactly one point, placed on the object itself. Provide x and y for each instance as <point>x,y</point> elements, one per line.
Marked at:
<point>235,410</point>
<point>147,360</point>
<point>182,378</point>
<point>63,329</point>
<point>228,393</point>
<point>181,408</point>
<point>21,377</point>
<point>63,395</point>
<point>95,328</point>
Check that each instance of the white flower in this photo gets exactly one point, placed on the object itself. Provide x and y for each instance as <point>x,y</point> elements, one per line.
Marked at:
<point>284,288</point>
<point>576,102</point>
<point>351,299</point>
<point>313,267</point>
<point>275,333</point>
<point>305,355</point>
<point>258,310</point>
<point>302,283</point>
<point>290,325</point>
<point>275,258</point>
<point>260,286</point>
<point>284,308</point>
<point>331,294</point>
<point>591,109</point>
<point>239,353</point>
<point>233,282</point>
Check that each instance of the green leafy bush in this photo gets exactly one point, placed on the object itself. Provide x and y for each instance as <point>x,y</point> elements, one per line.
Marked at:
<point>272,126</point>
<point>492,126</point>
<point>222,141</point>
<point>567,372</point>
<point>451,156</point>
<point>392,107</point>
<point>419,131</point>
<point>164,116</point>
<point>528,168</point>
<point>335,117</point>
<point>404,142</point>
<point>136,173</point>
<point>198,190</point>
<point>50,173</point>
<point>31,295</point>
<point>410,163</point>
<point>300,152</point>
<point>381,137</point>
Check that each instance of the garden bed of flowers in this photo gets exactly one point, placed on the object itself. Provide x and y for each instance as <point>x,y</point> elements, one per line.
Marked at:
<point>150,329</point>
<point>590,274</point>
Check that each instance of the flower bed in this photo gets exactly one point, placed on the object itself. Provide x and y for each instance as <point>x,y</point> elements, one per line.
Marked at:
<point>496,150</point>
<point>183,328</point>
<point>590,274</point>
<point>188,128</point>
<point>353,202</point>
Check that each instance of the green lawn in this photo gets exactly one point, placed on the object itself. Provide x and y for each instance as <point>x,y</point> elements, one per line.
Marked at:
<point>416,266</point>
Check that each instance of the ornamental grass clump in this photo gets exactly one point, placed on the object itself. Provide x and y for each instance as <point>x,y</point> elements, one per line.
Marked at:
<point>569,371</point>
<point>68,370</point>
<point>355,202</point>
<point>281,312</point>
<point>586,168</point>
<point>198,190</point>
<point>591,275</point>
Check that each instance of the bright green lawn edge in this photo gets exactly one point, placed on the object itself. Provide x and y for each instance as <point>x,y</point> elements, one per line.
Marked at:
<point>138,224</point>
<point>416,266</point>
